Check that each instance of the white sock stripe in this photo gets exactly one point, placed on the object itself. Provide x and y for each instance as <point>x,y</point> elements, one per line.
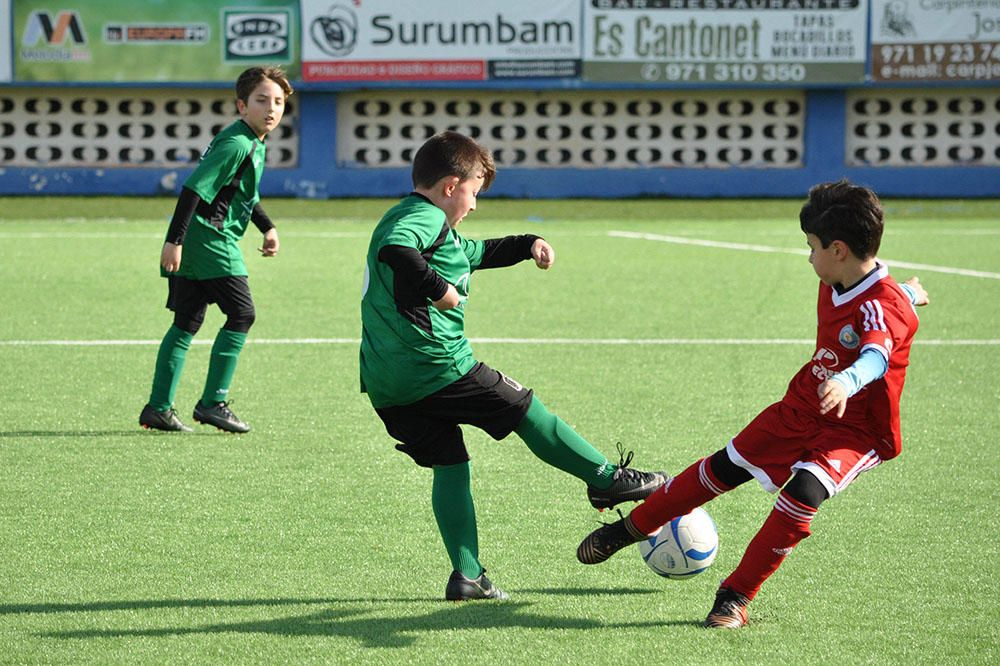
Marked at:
<point>706,481</point>
<point>794,509</point>
<point>795,504</point>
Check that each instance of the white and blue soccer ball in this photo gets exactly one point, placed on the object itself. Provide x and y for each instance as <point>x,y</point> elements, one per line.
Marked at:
<point>684,547</point>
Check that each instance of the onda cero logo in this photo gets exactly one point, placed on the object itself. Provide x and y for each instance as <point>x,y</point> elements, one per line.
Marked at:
<point>336,32</point>
<point>257,36</point>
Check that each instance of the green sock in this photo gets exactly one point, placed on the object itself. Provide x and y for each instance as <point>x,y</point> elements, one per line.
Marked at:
<point>222,366</point>
<point>552,440</point>
<point>169,363</point>
<point>451,499</point>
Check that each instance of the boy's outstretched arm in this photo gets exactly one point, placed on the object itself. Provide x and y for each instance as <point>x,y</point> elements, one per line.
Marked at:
<point>510,250</point>
<point>916,291</point>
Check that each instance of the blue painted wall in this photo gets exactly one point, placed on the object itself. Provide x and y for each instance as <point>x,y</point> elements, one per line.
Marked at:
<point>319,177</point>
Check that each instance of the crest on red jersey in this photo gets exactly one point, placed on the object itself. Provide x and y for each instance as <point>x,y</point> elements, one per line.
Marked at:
<point>848,337</point>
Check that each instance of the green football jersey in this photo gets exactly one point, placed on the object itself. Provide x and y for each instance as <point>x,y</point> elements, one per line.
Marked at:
<point>409,351</point>
<point>211,245</point>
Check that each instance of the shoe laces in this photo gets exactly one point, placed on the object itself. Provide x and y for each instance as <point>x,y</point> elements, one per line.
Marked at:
<point>624,471</point>
<point>224,408</point>
<point>623,458</point>
<point>729,602</point>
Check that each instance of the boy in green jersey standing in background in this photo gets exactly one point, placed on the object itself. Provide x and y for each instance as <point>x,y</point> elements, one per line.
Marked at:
<point>201,256</point>
<point>418,369</point>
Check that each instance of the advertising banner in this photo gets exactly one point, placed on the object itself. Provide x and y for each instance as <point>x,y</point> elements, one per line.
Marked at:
<point>439,40</point>
<point>179,40</point>
<point>935,40</point>
<point>725,42</point>
<point>6,70</point>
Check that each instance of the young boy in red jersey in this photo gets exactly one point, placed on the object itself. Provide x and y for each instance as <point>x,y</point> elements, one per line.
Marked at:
<point>839,417</point>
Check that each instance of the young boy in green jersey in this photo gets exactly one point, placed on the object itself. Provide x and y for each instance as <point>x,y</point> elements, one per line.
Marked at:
<point>201,256</point>
<point>417,366</point>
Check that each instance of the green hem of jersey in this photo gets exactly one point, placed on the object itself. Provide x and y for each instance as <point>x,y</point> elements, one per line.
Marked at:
<point>429,389</point>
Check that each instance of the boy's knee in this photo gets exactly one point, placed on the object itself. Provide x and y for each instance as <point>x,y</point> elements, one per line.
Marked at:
<point>727,471</point>
<point>536,419</point>
<point>190,323</point>
<point>806,488</point>
<point>241,321</point>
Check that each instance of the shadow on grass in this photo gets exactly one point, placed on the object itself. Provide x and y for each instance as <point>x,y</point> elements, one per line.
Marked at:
<point>371,627</point>
<point>150,604</point>
<point>589,591</point>
<point>371,622</point>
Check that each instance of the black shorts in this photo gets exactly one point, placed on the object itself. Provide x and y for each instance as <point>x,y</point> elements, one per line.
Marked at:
<point>428,428</point>
<point>189,300</point>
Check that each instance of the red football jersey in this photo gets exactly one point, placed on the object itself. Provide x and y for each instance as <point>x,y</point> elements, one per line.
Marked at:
<point>874,313</point>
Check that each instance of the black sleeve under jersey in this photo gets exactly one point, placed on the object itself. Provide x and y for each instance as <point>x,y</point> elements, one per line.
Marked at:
<point>507,251</point>
<point>413,278</point>
<point>187,203</point>
<point>260,219</point>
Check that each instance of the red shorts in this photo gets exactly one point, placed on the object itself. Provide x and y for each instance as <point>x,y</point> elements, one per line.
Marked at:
<point>781,440</point>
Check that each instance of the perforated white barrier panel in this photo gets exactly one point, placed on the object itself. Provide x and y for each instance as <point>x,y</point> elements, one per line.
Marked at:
<point>92,127</point>
<point>922,128</point>
<point>579,129</point>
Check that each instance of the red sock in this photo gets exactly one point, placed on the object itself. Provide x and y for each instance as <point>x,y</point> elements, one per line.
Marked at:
<point>787,525</point>
<point>689,489</point>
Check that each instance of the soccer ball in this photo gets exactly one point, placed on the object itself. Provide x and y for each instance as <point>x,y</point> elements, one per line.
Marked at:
<point>684,547</point>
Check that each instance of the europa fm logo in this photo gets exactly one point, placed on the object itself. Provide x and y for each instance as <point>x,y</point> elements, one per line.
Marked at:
<point>41,27</point>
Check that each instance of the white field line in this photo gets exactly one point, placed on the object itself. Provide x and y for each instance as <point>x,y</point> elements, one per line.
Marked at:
<point>80,235</point>
<point>749,247</point>
<point>477,230</point>
<point>651,342</point>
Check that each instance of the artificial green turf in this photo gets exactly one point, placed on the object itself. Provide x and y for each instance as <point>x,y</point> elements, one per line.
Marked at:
<point>310,539</point>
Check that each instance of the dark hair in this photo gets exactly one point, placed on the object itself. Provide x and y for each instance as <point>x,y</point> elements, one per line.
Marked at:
<point>251,78</point>
<point>449,153</point>
<point>845,212</point>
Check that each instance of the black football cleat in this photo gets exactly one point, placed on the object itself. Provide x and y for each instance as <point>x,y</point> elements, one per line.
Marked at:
<point>460,588</point>
<point>607,540</point>
<point>220,416</point>
<point>151,419</point>
<point>729,611</point>
<point>627,485</point>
